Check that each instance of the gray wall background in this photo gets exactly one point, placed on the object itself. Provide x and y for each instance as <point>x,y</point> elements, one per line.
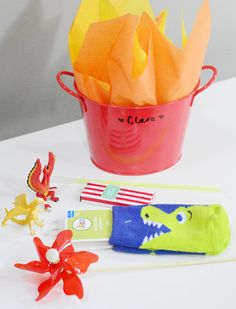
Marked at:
<point>33,48</point>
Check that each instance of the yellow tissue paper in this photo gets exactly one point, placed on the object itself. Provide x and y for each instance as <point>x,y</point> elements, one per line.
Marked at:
<point>101,10</point>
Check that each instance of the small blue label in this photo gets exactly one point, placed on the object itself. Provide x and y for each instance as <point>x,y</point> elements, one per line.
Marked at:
<point>70,214</point>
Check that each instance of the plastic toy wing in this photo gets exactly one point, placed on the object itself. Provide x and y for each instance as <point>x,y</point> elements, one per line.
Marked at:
<point>51,163</point>
<point>34,176</point>
<point>21,201</point>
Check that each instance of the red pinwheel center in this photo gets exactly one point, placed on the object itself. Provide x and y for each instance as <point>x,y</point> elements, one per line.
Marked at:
<point>53,256</point>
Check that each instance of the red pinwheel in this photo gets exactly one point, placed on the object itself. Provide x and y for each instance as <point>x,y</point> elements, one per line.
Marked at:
<point>62,262</point>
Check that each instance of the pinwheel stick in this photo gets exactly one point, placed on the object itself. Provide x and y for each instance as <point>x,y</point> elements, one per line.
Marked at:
<point>163,266</point>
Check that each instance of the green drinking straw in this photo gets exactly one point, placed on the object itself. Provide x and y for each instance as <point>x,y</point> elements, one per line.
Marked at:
<point>136,184</point>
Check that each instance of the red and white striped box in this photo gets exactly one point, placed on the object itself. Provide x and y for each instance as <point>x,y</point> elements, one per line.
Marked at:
<point>114,195</point>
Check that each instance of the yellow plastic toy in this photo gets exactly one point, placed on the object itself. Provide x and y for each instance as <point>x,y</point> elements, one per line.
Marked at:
<point>22,207</point>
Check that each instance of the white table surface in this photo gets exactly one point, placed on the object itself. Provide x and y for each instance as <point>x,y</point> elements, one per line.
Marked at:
<point>209,157</point>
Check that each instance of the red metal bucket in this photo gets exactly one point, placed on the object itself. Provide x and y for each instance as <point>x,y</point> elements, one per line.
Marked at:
<point>135,140</point>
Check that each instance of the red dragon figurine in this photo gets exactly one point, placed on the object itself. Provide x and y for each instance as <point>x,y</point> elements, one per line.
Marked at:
<point>42,187</point>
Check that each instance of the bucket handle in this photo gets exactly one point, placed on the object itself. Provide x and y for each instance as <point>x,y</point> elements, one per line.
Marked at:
<point>81,99</point>
<point>208,84</point>
<point>68,90</point>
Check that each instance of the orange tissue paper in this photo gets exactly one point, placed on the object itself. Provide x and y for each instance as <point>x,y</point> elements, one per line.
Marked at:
<point>121,55</point>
